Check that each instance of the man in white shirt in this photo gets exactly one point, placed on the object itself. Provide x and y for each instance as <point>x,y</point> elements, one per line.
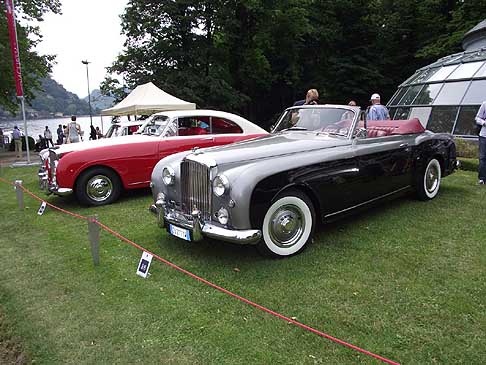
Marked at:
<point>481,121</point>
<point>48,136</point>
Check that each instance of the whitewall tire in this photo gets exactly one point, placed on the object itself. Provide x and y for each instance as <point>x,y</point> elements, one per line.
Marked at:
<point>288,225</point>
<point>428,182</point>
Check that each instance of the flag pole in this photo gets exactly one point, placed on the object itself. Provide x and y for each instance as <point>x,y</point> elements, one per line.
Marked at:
<point>17,73</point>
<point>27,149</point>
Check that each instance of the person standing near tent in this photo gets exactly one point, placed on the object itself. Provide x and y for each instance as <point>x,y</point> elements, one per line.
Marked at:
<point>74,131</point>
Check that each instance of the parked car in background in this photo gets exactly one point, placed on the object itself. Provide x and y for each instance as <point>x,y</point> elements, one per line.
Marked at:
<point>320,163</point>
<point>97,171</point>
<point>119,129</point>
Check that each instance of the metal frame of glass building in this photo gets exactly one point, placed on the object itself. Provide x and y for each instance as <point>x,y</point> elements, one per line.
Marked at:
<point>447,94</point>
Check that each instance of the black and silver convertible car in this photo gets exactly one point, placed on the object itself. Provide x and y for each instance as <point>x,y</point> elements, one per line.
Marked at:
<point>321,162</point>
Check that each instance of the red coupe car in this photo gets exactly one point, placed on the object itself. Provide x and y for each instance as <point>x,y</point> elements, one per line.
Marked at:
<point>98,171</point>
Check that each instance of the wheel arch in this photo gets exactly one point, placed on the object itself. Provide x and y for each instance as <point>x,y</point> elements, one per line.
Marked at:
<point>259,206</point>
<point>92,167</point>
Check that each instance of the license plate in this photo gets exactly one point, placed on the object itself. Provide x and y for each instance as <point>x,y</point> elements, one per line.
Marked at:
<point>180,232</point>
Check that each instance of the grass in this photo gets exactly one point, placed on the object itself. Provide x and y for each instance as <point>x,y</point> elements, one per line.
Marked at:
<point>405,280</point>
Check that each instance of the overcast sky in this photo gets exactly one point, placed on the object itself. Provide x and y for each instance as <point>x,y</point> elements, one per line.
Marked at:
<point>86,30</point>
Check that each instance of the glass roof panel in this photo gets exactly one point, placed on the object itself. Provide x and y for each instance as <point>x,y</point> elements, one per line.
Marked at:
<point>442,73</point>
<point>412,78</point>
<point>427,94</point>
<point>476,93</point>
<point>424,76</point>
<point>466,124</point>
<point>465,70</point>
<point>442,119</point>
<point>481,72</point>
<point>401,114</point>
<point>398,96</point>
<point>409,97</point>
<point>451,93</point>
<point>422,113</point>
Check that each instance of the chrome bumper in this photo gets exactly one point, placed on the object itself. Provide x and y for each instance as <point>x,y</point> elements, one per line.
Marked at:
<point>51,188</point>
<point>200,229</point>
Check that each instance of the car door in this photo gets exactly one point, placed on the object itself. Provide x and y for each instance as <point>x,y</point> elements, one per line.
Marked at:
<point>384,163</point>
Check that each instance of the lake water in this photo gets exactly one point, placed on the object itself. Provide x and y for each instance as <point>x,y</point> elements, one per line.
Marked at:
<point>37,126</point>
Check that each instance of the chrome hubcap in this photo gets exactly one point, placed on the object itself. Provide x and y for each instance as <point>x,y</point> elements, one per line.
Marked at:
<point>431,178</point>
<point>99,188</point>
<point>287,226</point>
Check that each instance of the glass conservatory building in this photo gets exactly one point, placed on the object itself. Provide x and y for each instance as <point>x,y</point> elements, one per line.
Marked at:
<point>447,94</point>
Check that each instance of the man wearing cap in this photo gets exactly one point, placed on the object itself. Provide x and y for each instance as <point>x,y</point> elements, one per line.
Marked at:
<point>481,121</point>
<point>377,111</point>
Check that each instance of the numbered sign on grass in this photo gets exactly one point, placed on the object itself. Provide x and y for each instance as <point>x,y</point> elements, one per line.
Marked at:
<point>42,208</point>
<point>144,264</point>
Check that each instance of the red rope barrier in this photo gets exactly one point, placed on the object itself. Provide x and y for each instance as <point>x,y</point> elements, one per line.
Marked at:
<point>217,287</point>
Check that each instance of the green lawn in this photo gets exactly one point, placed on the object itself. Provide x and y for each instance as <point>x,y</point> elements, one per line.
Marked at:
<point>405,280</point>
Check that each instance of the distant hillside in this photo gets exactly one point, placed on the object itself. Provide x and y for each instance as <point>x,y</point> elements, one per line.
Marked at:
<point>54,100</point>
<point>100,101</point>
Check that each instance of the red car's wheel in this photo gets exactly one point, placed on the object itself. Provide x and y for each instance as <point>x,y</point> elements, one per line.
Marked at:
<point>98,186</point>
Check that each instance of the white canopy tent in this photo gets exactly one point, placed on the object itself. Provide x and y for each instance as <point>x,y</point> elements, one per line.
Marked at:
<point>147,99</point>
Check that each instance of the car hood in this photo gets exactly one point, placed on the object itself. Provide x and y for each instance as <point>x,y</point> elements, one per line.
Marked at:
<point>269,146</point>
<point>104,142</point>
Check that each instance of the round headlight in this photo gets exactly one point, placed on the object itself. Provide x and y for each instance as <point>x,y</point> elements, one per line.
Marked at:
<point>223,215</point>
<point>220,185</point>
<point>168,175</point>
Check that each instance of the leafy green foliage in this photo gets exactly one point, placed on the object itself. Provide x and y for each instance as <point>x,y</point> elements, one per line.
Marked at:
<point>258,57</point>
<point>34,66</point>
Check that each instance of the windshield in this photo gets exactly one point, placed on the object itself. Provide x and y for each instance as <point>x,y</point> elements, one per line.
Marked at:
<point>335,121</point>
<point>155,126</point>
<point>112,131</point>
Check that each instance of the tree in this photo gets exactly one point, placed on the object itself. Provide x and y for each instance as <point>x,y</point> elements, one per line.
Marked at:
<point>34,66</point>
<point>257,57</point>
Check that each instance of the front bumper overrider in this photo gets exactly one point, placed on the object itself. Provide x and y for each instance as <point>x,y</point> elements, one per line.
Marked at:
<point>200,229</point>
<point>50,188</point>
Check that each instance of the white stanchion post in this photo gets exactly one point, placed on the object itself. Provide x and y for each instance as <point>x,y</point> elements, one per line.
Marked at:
<point>20,193</point>
<point>94,238</point>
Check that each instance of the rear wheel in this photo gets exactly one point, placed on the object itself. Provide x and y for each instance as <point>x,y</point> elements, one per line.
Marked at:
<point>428,180</point>
<point>288,225</point>
<point>98,186</point>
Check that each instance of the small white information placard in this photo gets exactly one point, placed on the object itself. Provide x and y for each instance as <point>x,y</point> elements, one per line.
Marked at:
<point>144,264</point>
<point>42,208</point>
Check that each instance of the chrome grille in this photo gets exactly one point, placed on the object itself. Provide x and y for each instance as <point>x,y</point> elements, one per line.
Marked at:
<point>195,188</point>
<point>52,166</point>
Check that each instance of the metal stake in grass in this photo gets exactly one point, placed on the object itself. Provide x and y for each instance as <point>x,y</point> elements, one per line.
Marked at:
<point>94,238</point>
<point>20,193</point>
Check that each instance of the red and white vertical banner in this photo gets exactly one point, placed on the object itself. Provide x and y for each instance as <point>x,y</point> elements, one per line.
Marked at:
<point>12,31</point>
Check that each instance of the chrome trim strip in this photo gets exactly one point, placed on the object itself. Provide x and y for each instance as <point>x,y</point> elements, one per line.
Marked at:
<point>366,202</point>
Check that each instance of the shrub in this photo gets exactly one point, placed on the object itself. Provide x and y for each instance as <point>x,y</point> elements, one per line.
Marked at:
<point>469,164</point>
<point>467,148</point>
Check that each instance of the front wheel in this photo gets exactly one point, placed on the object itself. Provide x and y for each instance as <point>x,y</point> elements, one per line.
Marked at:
<point>288,225</point>
<point>428,180</point>
<point>98,186</point>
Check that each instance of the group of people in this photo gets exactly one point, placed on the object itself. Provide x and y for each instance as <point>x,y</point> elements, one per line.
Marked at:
<point>70,133</point>
<point>375,111</point>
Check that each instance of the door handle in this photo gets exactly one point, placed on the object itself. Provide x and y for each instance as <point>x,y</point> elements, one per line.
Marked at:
<point>208,138</point>
<point>404,145</point>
